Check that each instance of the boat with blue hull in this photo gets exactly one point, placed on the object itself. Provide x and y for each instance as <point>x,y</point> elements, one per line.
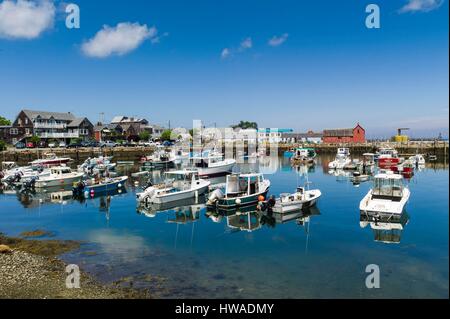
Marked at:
<point>103,185</point>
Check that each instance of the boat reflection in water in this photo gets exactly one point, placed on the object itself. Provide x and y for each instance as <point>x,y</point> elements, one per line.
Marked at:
<point>250,218</point>
<point>386,228</point>
<point>64,196</point>
<point>182,212</point>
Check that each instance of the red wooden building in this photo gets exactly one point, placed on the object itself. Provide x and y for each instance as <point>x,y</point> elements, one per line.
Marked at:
<point>347,135</point>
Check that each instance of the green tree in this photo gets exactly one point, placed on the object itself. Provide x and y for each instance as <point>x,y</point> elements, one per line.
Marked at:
<point>2,145</point>
<point>35,140</point>
<point>144,136</point>
<point>246,125</point>
<point>4,121</point>
<point>166,135</point>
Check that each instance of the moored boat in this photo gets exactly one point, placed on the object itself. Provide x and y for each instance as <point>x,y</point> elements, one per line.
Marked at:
<point>302,198</point>
<point>304,156</point>
<point>50,160</point>
<point>240,190</point>
<point>212,165</point>
<point>342,159</point>
<point>59,176</point>
<point>387,197</point>
<point>179,185</point>
<point>94,186</point>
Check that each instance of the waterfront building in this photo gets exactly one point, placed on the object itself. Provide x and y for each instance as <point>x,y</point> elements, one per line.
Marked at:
<point>272,135</point>
<point>308,137</point>
<point>346,135</point>
<point>49,126</point>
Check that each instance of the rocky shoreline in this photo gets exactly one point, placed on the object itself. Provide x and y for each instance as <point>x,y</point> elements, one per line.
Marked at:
<point>31,269</point>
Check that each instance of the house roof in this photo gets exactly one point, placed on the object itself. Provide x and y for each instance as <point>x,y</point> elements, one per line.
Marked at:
<point>344,132</point>
<point>77,122</point>
<point>31,114</point>
<point>302,135</point>
<point>117,119</point>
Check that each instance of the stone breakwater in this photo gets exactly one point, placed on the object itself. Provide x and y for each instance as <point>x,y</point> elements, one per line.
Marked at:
<point>41,275</point>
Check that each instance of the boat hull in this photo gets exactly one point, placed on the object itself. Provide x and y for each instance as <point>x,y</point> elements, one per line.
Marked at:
<point>244,201</point>
<point>178,196</point>
<point>219,170</point>
<point>43,183</point>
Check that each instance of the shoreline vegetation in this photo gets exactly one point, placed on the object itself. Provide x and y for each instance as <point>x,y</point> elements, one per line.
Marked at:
<point>30,268</point>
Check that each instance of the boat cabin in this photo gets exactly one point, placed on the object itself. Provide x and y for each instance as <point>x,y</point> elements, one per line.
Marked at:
<point>388,186</point>
<point>243,185</point>
<point>343,151</point>
<point>206,161</point>
<point>183,178</point>
<point>387,152</point>
<point>305,152</point>
<point>61,170</point>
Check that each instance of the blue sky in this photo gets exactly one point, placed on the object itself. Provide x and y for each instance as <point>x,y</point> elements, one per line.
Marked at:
<point>330,71</point>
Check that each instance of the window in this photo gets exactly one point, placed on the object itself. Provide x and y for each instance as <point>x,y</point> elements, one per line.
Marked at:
<point>14,131</point>
<point>27,131</point>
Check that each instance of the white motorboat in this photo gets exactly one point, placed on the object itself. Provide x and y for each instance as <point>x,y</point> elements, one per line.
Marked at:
<point>418,159</point>
<point>160,159</point>
<point>179,185</point>
<point>59,176</point>
<point>97,165</point>
<point>293,202</point>
<point>50,160</point>
<point>212,165</point>
<point>342,159</point>
<point>387,197</point>
<point>11,173</point>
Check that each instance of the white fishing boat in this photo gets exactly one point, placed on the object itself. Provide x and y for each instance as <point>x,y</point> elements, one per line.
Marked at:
<point>59,176</point>
<point>213,164</point>
<point>179,185</point>
<point>387,197</point>
<point>240,190</point>
<point>50,160</point>
<point>342,159</point>
<point>302,198</point>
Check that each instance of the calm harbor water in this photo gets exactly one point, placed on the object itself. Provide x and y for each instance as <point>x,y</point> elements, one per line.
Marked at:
<point>189,252</point>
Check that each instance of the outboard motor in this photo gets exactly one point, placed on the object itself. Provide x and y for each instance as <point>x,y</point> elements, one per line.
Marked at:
<point>215,196</point>
<point>78,189</point>
<point>29,184</point>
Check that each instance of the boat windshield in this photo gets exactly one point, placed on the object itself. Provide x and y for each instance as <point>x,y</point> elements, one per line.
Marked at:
<point>388,187</point>
<point>242,185</point>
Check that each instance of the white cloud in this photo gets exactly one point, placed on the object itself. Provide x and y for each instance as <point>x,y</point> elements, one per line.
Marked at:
<point>246,44</point>
<point>421,5</point>
<point>225,53</point>
<point>119,40</point>
<point>24,19</point>
<point>278,40</point>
